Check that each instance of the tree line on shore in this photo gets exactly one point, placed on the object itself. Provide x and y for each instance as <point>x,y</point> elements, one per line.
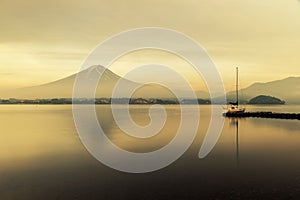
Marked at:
<point>261,99</point>
<point>101,101</point>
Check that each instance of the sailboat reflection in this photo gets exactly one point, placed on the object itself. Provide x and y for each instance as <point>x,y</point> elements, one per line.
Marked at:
<point>235,122</point>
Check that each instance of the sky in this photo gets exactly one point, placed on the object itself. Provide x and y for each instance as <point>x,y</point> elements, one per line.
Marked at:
<point>42,41</point>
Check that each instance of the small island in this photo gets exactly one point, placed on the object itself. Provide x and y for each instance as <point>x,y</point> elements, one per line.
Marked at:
<point>264,99</point>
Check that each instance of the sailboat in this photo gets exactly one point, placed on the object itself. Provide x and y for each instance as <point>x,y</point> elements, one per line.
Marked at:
<point>234,106</point>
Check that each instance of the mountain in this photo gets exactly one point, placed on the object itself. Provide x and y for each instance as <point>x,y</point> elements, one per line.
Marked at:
<point>63,88</point>
<point>287,89</point>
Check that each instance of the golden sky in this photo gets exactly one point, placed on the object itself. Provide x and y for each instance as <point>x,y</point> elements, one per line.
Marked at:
<point>41,41</point>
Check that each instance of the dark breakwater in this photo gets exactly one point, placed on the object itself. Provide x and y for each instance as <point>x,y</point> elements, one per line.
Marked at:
<point>273,115</point>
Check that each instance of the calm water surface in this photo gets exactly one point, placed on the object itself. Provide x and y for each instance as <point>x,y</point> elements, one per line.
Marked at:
<point>41,157</point>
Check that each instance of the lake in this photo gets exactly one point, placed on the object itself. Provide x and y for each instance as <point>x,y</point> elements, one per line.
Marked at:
<point>42,157</point>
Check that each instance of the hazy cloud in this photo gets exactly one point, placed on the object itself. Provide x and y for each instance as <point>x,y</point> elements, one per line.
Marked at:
<point>6,74</point>
<point>262,37</point>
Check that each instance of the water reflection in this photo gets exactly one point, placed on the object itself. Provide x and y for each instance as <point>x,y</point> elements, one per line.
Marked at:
<point>234,122</point>
<point>41,157</point>
<point>290,126</point>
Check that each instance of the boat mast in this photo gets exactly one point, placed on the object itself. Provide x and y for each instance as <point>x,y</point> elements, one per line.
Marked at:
<point>237,86</point>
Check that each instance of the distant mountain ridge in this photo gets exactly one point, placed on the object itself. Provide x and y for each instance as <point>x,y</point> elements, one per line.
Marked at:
<point>63,88</point>
<point>287,89</point>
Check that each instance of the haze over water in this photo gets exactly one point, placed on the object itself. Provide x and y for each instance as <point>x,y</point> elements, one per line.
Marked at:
<point>41,157</point>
